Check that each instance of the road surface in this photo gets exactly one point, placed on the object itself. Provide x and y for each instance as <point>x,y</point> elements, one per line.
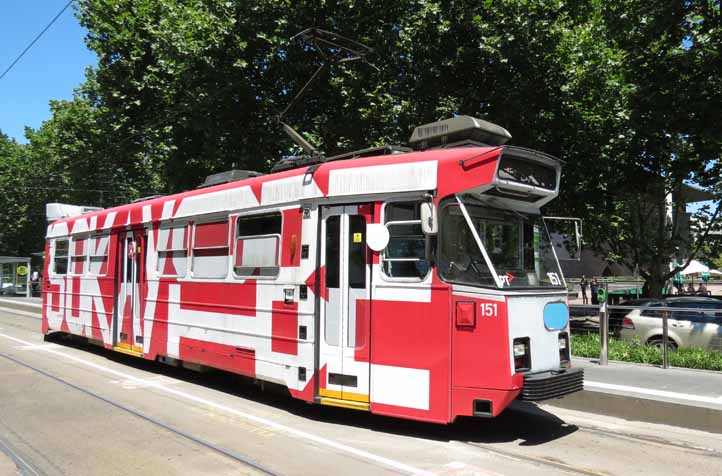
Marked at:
<point>71,409</point>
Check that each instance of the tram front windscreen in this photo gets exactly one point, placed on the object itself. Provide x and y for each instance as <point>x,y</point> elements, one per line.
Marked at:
<point>517,246</point>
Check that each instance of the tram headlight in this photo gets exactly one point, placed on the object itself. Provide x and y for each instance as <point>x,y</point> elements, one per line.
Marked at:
<point>522,355</point>
<point>563,349</point>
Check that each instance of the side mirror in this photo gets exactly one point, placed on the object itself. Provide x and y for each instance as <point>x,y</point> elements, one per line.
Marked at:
<point>377,236</point>
<point>429,220</point>
<point>566,237</point>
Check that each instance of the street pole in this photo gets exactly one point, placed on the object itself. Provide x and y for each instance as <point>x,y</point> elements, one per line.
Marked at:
<point>665,340</point>
<point>603,327</point>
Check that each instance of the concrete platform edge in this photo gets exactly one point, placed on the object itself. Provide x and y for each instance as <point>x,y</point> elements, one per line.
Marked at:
<point>643,409</point>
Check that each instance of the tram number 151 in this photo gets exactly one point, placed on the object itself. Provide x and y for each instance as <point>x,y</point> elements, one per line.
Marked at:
<point>488,309</point>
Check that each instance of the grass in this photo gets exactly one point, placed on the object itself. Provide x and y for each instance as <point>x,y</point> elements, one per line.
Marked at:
<point>587,345</point>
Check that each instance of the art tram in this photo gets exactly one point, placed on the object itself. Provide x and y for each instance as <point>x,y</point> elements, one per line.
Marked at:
<point>418,283</point>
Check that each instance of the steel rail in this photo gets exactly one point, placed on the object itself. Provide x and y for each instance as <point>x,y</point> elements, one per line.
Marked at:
<point>23,467</point>
<point>218,449</point>
<point>568,468</point>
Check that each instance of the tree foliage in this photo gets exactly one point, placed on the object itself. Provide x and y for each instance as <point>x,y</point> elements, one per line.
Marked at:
<point>626,92</point>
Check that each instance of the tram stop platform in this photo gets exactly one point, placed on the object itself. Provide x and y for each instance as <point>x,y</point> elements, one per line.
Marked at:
<point>678,397</point>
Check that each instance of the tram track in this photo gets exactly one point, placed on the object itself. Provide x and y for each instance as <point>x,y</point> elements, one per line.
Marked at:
<point>540,460</point>
<point>569,468</point>
<point>555,462</point>
<point>239,458</point>
<point>629,436</point>
<point>659,442</point>
<point>23,467</point>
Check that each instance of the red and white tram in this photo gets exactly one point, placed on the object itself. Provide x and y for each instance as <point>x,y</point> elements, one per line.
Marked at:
<point>418,284</point>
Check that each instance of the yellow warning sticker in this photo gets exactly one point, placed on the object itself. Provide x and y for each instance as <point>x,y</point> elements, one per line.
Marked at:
<point>357,237</point>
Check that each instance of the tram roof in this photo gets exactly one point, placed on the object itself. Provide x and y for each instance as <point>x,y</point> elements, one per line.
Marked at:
<point>425,170</point>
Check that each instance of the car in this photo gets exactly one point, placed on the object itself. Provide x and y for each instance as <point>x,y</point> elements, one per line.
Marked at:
<point>696,323</point>
<point>616,316</point>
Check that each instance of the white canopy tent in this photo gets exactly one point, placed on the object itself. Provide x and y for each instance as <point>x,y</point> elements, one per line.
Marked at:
<point>695,267</point>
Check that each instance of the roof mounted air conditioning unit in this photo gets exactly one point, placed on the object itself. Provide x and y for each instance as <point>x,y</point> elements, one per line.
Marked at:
<point>57,211</point>
<point>458,131</point>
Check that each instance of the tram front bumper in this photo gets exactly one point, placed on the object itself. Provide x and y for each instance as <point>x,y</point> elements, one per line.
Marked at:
<point>552,384</point>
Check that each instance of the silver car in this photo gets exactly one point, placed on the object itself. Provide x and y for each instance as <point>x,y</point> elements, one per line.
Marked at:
<point>697,323</point>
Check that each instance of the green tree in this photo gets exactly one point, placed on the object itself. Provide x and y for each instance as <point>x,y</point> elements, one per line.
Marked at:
<point>625,92</point>
<point>672,69</point>
<point>22,221</point>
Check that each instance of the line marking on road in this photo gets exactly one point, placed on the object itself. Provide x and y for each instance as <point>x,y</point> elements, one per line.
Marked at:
<point>411,470</point>
<point>22,303</point>
<point>18,312</point>
<point>37,347</point>
<point>653,392</point>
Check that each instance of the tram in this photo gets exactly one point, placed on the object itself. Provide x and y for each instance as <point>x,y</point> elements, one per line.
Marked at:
<point>416,282</point>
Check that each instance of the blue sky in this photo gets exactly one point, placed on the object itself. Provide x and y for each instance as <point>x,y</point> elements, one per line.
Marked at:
<point>50,70</point>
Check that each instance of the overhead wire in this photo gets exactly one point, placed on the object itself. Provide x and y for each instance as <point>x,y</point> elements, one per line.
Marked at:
<point>27,48</point>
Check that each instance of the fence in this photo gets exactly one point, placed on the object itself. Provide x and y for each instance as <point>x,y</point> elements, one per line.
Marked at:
<point>684,322</point>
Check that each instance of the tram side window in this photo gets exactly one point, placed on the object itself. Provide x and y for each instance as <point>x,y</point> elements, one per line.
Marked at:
<point>210,249</point>
<point>258,242</point>
<point>98,255</point>
<point>405,255</point>
<point>77,257</point>
<point>60,257</point>
<point>173,251</point>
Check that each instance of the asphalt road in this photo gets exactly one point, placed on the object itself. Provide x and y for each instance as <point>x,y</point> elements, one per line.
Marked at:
<point>70,409</point>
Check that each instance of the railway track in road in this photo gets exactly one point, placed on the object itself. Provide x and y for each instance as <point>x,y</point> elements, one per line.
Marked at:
<point>540,460</point>
<point>239,458</point>
<point>659,442</point>
<point>569,468</point>
<point>23,467</point>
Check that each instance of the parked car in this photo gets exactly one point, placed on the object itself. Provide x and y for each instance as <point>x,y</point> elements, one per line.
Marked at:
<point>616,316</point>
<point>697,323</point>
<point>587,319</point>
<point>9,289</point>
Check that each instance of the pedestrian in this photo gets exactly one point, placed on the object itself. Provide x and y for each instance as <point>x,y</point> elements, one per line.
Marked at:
<point>583,284</point>
<point>594,287</point>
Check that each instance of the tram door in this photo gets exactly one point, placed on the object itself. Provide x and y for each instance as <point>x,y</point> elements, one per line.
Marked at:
<point>345,309</point>
<point>131,282</point>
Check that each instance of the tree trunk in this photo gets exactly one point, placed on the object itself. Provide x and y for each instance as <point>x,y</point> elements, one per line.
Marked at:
<point>653,286</point>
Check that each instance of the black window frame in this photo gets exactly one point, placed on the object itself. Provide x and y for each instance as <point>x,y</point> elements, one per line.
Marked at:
<point>265,272</point>
<point>389,224</point>
<point>55,256</point>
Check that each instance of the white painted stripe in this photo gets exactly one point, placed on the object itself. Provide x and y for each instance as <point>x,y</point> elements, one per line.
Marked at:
<point>400,386</point>
<point>33,315</point>
<point>383,178</point>
<point>218,406</point>
<point>22,303</point>
<point>653,392</point>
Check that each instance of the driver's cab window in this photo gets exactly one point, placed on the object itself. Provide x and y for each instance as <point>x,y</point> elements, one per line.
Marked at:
<point>405,255</point>
<point>459,257</point>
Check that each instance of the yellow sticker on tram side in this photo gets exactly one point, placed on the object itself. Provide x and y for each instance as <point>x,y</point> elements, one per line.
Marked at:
<point>22,270</point>
<point>358,237</point>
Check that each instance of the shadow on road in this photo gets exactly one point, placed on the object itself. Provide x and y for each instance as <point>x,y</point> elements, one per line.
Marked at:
<point>522,422</point>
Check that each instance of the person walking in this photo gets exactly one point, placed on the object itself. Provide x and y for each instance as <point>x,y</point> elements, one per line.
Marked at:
<point>594,287</point>
<point>583,284</point>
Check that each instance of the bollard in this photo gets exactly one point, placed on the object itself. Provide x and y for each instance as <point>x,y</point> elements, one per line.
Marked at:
<point>603,325</point>
<point>665,340</point>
